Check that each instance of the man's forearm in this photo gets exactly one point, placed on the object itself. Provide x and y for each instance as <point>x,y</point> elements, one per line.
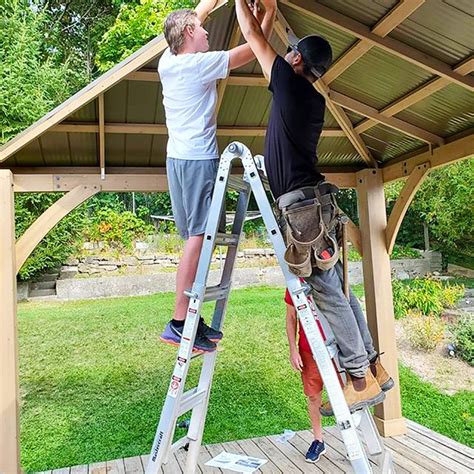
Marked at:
<point>291,333</point>
<point>268,21</point>
<point>204,7</point>
<point>248,23</point>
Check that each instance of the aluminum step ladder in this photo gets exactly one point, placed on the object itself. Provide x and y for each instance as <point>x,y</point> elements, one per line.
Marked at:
<point>178,401</point>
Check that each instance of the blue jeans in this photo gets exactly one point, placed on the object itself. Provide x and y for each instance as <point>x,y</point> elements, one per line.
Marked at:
<point>345,317</point>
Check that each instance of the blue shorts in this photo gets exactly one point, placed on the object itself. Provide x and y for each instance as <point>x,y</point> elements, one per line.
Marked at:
<point>191,183</point>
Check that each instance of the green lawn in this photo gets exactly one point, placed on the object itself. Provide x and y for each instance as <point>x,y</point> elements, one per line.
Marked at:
<point>93,376</point>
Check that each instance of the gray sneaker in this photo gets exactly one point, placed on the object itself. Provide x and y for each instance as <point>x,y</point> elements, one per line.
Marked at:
<point>211,333</point>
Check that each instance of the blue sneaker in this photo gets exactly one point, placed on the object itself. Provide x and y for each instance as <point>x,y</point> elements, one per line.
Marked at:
<point>172,335</point>
<point>315,451</point>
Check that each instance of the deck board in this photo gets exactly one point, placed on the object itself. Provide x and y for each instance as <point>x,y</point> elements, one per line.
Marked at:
<point>420,451</point>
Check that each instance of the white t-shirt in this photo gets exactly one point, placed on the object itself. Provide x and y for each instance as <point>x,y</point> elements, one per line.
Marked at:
<point>189,98</point>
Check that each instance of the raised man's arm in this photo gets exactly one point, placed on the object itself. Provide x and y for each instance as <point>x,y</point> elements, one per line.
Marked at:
<point>203,9</point>
<point>253,34</point>
<point>243,54</point>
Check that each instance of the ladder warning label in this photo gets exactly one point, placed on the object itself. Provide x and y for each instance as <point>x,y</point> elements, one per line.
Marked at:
<point>174,386</point>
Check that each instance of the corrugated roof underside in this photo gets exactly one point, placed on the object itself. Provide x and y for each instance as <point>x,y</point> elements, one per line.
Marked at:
<point>441,29</point>
<point>446,112</point>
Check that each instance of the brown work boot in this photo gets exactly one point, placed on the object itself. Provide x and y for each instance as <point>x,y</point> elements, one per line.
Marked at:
<point>383,379</point>
<point>359,393</point>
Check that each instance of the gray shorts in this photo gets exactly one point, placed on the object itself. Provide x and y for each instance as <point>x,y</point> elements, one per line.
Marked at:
<point>191,183</point>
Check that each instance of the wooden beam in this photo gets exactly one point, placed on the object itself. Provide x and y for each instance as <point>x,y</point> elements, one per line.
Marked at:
<point>9,391</point>
<point>111,183</point>
<point>63,179</point>
<point>233,42</point>
<point>457,150</point>
<point>281,29</point>
<point>253,80</point>
<point>346,125</point>
<point>378,293</point>
<point>44,223</point>
<point>420,93</point>
<point>392,122</point>
<point>428,63</point>
<point>354,235</point>
<point>390,21</point>
<point>403,201</point>
<point>160,129</point>
<point>101,135</point>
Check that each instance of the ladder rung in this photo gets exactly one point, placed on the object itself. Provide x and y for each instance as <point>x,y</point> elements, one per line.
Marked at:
<point>215,293</point>
<point>237,184</point>
<point>229,240</point>
<point>180,443</point>
<point>190,399</point>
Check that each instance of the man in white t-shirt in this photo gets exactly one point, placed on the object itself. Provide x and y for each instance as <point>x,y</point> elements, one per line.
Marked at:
<point>188,73</point>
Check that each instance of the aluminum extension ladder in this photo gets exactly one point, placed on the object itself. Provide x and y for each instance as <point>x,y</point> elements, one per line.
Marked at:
<point>179,402</point>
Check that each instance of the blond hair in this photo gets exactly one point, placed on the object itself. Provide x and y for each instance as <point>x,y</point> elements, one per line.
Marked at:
<point>175,24</point>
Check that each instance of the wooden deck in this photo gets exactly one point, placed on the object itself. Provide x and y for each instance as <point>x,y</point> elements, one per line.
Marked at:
<point>420,451</point>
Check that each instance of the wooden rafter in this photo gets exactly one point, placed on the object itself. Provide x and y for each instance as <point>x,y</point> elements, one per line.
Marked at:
<point>456,150</point>
<point>147,75</point>
<point>374,114</point>
<point>281,29</point>
<point>101,135</point>
<point>394,17</point>
<point>403,201</point>
<point>391,45</point>
<point>420,93</point>
<point>233,42</point>
<point>160,129</point>
<point>61,208</point>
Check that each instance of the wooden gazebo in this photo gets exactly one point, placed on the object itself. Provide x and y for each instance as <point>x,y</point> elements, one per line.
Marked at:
<point>399,103</point>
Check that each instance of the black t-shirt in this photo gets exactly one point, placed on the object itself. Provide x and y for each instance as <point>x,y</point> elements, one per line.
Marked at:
<point>296,121</point>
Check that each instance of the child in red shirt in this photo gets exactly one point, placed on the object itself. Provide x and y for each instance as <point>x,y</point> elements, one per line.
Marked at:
<point>301,359</point>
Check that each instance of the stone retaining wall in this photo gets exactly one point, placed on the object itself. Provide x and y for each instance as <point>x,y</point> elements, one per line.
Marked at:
<point>101,265</point>
<point>129,285</point>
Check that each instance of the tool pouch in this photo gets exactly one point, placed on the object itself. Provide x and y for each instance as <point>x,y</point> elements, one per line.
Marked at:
<point>312,226</point>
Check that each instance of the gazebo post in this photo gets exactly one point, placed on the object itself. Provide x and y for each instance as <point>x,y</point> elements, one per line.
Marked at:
<point>378,292</point>
<point>9,391</point>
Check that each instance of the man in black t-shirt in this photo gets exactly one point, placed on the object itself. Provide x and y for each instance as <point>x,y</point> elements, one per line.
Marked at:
<point>294,127</point>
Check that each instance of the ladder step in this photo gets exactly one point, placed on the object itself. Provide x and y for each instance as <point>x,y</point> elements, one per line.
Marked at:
<point>215,293</point>
<point>229,240</point>
<point>237,184</point>
<point>191,399</point>
<point>180,443</point>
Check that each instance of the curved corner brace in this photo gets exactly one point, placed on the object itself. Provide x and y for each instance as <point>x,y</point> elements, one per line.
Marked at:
<point>61,208</point>
<point>407,194</point>
<point>353,233</point>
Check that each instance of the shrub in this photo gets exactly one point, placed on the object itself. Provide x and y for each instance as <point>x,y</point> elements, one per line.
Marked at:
<point>402,251</point>
<point>58,244</point>
<point>426,295</point>
<point>464,338</point>
<point>424,332</point>
<point>117,228</point>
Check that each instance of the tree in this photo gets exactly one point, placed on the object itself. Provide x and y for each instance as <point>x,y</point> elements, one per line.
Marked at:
<point>32,82</point>
<point>136,25</point>
<point>445,203</point>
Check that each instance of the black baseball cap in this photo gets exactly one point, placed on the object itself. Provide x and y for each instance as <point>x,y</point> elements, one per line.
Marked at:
<point>315,51</point>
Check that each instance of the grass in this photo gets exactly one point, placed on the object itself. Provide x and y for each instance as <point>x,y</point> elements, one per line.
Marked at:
<point>93,378</point>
